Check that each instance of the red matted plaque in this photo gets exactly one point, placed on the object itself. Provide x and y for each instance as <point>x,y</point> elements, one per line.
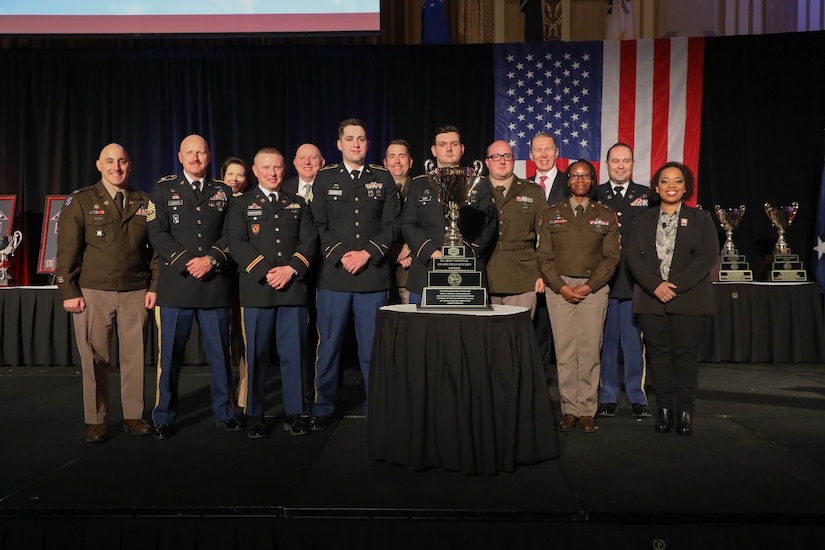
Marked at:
<point>7,213</point>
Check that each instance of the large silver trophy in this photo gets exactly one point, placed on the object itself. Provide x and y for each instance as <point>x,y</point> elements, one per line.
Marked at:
<point>786,266</point>
<point>8,244</point>
<point>734,266</point>
<point>453,282</point>
<point>453,185</point>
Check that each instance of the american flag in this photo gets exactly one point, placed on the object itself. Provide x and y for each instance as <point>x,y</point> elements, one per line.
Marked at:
<point>590,95</point>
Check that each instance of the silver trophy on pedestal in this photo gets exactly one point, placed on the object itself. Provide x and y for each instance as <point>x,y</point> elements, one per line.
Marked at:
<point>786,266</point>
<point>453,281</point>
<point>8,244</point>
<point>734,266</point>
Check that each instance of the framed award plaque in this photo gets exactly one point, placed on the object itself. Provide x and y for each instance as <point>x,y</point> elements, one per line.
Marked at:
<point>47,259</point>
<point>6,213</point>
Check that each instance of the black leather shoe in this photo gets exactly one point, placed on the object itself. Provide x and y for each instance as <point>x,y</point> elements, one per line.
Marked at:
<point>163,431</point>
<point>685,424</point>
<point>297,424</point>
<point>640,410</point>
<point>664,420</point>
<point>234,424</point>
<point>606,409</point>
<point>318,423</point>
<point>257,430</point>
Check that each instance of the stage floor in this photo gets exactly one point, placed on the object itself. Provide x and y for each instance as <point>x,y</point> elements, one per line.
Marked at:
<point>751,476</point>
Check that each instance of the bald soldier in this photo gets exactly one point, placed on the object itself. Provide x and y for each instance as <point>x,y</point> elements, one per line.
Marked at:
<point>186,227</point>
<point>106,273</point>
<point>513,271</point>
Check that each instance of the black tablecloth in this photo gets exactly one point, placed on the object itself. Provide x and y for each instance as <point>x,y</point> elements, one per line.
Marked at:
<point>766,323</point>
<point>460,392</point>
<point>36,330</point>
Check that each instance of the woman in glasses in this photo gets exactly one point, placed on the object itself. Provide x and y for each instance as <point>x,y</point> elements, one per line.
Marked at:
<point>670,253</point>
<point>578,252</point>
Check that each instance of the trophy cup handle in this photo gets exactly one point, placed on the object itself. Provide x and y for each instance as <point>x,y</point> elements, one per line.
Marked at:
<point>17,238</point>
<point>429,166</point>
<point>477,167</point>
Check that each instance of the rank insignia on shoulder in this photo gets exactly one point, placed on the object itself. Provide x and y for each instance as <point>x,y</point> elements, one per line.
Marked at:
<point>69,200</point>
<point>151,212</point>
<point>170,177</point>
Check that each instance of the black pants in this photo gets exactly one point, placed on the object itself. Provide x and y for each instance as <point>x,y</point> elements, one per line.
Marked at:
<point>672,343</point>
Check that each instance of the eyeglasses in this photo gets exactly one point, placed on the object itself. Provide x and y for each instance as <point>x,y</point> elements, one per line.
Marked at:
<point>497,157</point>
<point>583,176</point>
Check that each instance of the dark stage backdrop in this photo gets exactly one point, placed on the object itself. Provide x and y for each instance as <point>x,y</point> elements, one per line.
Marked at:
<point>762,122</point>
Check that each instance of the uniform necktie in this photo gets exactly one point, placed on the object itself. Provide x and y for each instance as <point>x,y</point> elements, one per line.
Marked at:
<point>355,174</point>
<point>308,191</point>
<point>500,190</point>
<point>542,181</point>
<point>579,210</point>
<point>197,187</point>
<point>119,202</point>
<point>619,190</point>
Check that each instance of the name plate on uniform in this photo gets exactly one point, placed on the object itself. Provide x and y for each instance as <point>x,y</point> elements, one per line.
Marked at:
<point>787,267</point>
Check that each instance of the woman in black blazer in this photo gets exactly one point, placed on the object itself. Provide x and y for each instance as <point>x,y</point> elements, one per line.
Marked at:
<point>670,253</point>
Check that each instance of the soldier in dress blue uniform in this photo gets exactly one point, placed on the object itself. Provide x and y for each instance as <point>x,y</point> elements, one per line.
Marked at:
<point>423,221</point>
<point>356,208</point>
<point>273,239</point>
<point>628,199</point>
<point>186,228</point>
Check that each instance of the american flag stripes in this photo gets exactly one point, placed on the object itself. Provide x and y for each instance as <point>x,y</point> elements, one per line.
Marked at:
<point>647,93</point>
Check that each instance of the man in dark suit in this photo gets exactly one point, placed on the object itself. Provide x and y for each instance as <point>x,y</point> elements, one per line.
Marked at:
<point>106,271</point>
<point>186,228</point>
<point>356,208</point>
<point>398,161</point>
<point>273,239</point>
<point>423,220</point>
<point>543,152</point>
<point>620,330</point>
<point>308,160</point>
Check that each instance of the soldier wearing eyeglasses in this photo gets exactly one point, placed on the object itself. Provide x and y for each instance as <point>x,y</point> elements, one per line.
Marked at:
<point>513,270</point>
<point>578,252</point>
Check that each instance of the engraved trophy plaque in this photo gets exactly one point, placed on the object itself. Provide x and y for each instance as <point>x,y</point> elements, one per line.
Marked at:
<point>453,282</point>
<point>8,244</point>
<point>786,266</point>
<point>734,266</point>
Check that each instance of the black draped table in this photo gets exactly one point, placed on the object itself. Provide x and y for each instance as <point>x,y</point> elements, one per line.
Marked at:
<point>764,322</point>
<point>460,391</point>
<point>36,330</point>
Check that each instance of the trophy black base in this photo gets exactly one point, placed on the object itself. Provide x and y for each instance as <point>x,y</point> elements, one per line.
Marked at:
<point>735,275</point>
<point>787,268</point>
<point>454,298</point>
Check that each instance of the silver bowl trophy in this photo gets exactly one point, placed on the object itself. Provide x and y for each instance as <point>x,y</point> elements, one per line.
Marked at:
<point>8,244</point>
<point>734,267</point>
<point>453,282</point>
<point>786,266</point>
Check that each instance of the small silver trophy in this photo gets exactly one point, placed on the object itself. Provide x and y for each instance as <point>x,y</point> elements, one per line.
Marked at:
<point>786,266</point>
<point>734,266</point>
<point>8,244</point>
<point>454,282</point>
